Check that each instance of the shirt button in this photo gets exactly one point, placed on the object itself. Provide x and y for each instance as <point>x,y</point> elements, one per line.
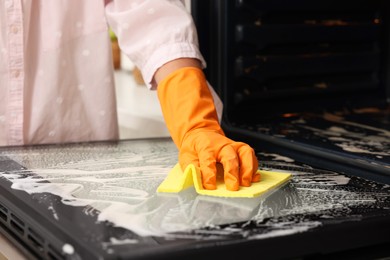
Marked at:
<point>14,29</point>
<point>16,73</point>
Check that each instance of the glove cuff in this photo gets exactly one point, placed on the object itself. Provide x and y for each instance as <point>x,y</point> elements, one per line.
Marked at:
<point>187,103</point>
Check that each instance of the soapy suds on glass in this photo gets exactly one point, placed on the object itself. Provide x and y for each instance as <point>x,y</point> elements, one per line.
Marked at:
<point>335,132</point>
<point>119,183</point>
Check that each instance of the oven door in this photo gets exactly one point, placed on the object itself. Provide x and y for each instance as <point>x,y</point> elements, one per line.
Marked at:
<point>305,79</point>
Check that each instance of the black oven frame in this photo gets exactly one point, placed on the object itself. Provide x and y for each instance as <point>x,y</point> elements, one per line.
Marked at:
<point>356,63</point>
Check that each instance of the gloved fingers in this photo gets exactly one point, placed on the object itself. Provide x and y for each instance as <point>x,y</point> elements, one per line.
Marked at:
<point>228,158</point>
<point>208,169</point>
<point>248,164</point>
<point>256,177</point>
<point>186,159</point>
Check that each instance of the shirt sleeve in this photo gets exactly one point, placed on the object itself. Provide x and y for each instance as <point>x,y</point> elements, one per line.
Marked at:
<point>152,33</point>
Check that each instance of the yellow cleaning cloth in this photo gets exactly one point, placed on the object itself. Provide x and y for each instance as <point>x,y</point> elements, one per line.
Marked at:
<point>177,181</point>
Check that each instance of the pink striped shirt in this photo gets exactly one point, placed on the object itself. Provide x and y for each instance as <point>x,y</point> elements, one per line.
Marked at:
<point>56,72</point>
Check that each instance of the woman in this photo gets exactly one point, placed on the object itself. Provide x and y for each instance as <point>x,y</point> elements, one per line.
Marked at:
<point>56,78</point>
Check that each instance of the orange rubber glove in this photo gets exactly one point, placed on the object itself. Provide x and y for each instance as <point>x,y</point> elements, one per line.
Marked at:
<point>192,121</point>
